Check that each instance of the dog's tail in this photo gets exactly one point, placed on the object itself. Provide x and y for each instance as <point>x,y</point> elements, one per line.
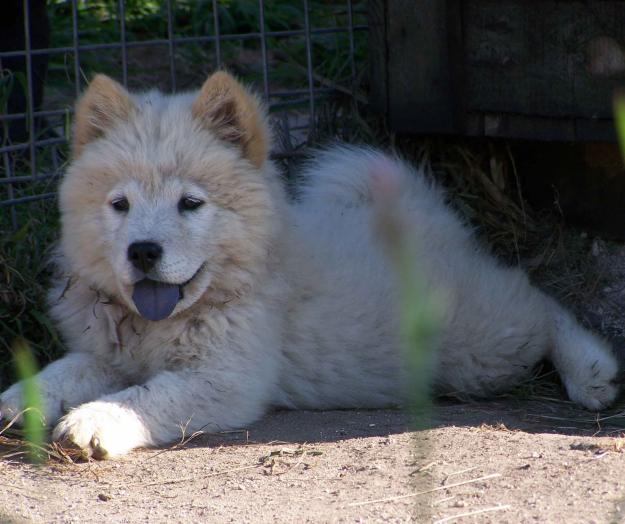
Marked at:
<point>348,176</point>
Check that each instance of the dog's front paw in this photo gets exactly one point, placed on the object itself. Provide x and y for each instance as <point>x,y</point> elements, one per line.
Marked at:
<point>101,430</point>
<point>594,386</point>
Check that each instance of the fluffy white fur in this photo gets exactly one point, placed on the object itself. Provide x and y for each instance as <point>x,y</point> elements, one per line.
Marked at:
<point>285,303</point>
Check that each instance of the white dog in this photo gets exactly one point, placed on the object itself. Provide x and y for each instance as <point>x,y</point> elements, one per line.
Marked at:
<point>193,292</point>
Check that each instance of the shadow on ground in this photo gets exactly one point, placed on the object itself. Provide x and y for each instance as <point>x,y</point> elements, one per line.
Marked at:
<point>530,416</point>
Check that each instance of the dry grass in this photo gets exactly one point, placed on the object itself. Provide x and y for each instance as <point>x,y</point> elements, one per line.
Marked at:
<point>425,492</point>
<point>14,446</point>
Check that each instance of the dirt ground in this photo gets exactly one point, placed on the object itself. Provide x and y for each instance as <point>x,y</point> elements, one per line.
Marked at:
<point>510,460</point>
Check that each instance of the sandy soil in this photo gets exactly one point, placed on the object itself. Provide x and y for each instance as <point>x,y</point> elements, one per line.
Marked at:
<point>512,460</point>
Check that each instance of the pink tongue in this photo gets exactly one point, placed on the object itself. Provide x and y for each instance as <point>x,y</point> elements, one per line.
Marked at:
<point>155,300</point>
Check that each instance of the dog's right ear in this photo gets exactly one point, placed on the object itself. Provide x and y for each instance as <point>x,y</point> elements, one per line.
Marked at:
<point>103,104</point>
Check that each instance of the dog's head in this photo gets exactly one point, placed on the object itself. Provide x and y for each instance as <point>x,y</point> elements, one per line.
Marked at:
<point>168,199</point>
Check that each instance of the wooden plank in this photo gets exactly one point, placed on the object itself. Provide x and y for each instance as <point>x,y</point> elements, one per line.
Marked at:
<point>507,68</point>
<point>594,130</point>
<point>605,20</point>
<point>456,63</point>
<point>532,127</point>
<point>420,83</point>
<point>528,127</point>
<point>533,57</point>
<point>378,56</point>
<point>514,59</point>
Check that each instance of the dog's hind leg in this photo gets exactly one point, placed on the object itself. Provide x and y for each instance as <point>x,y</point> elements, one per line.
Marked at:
<point>586,364</point>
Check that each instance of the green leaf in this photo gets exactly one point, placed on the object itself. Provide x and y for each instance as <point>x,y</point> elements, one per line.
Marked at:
<point>34,426</point>
<point>619,120</point>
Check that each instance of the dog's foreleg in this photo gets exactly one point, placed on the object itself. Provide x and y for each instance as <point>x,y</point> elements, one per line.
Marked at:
<point>70,381</point>
<point>164,409</point>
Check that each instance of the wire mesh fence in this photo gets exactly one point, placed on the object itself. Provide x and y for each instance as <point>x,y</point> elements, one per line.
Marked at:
<point>299,54</point>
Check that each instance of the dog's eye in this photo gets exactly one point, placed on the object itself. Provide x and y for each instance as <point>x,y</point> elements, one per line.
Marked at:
<point>188,203</point>
<point>120,204</point>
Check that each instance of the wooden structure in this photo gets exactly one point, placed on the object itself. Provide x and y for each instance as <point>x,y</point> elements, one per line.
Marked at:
<point>540,69</point>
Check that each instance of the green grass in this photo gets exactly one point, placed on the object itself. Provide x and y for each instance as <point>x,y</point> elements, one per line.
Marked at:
<point>24,276</point>
<point>619,120</point>
<point>419,311</point>
<point>34,426</point>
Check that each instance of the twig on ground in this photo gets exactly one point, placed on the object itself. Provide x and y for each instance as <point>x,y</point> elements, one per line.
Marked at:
<point>426,467</point>
<point>476,512</point>
<point>23,491</point>
<point>444,499</point>
<point>184,479</point>
<point>270,460</point>
<point>439,488</point>
<point>185,440</point>
<point>458,473</point>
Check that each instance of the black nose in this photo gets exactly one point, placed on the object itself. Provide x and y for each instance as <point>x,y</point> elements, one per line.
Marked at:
<point>143,255</point>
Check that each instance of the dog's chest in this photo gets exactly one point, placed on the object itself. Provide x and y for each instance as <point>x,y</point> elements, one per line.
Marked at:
<point>142,348</point>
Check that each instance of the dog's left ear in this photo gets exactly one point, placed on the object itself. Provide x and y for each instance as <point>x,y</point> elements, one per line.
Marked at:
<point>235,115</point>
